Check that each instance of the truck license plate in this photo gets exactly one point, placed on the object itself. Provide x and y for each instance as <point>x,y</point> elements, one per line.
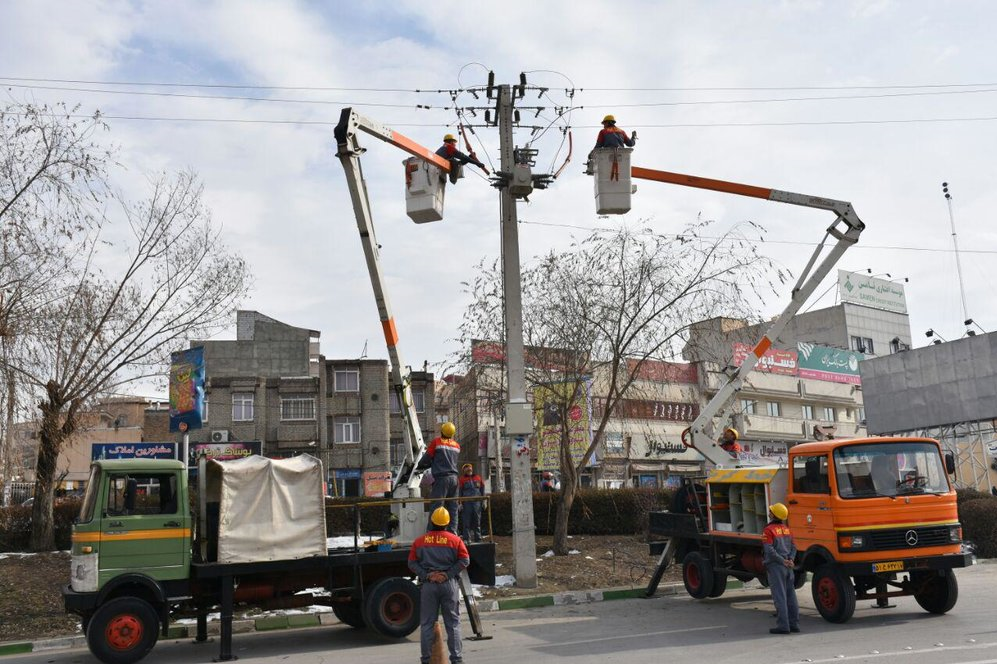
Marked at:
<point>892,566</point>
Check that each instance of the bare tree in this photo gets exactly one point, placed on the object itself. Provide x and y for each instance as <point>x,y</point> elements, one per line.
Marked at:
<point>169,279</point>
<point>599,311</point>
<point>52,183</point>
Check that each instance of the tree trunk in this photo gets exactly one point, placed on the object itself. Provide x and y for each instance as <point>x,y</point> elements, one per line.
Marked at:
<point>564,502</point>
<point>56,426</point>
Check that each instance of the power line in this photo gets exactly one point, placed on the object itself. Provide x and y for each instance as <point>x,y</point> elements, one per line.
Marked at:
<point>598,229</point>
<point>221,86</point>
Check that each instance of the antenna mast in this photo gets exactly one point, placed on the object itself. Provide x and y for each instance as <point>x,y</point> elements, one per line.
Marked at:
<point>955,244</point>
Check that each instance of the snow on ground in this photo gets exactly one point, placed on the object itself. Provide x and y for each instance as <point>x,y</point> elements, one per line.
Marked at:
<point>346,541</point>
<point>574,552</point>
<point>17,555</point>
<point>549,554</point>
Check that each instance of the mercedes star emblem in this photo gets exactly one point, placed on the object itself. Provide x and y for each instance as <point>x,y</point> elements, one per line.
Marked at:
<point>911,537</point>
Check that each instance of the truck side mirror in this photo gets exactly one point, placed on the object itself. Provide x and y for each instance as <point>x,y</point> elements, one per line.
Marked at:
<point>950,463</point>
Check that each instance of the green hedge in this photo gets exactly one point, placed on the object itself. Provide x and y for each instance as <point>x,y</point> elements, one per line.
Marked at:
<point>979,525</point>
<point>15,525</point>
<point>594,512</point>
<point>966,495</point>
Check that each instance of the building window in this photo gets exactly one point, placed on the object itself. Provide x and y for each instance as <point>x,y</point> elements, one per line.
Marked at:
<point>774,409</point>
<point>861,415</point>
<point>397,451</point>
<point>297,408</point>
<point>614,443</point>
<point>418,396</point>
<point>347,482</point>
<point>747,406</point>
<point>347,430</point>
<point>204,410</point>
<point>242,406</point>
<point>810,474</point>
<point>863,345</point>
<point>829,414</point>
<point>808,412</point>
<point>346,380</point>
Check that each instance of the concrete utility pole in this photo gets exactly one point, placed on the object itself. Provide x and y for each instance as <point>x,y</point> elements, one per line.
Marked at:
<point>518,414</point>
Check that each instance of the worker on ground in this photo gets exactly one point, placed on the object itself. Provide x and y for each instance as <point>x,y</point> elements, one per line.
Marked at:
<point>612,136</point>
<point>438,558</point>
<point>728,442</point>
<point>471,485</point>
<point>441,459</point>
<point>457,158</point>
<point>779,558</point>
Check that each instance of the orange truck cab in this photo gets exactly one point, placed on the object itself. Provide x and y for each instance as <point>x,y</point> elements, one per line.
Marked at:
<point>872,519</point>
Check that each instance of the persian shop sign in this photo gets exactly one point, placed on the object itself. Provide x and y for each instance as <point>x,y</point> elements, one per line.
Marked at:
<point>871,292</point>
<point>831,364</point>
<point>223,451</point>
<point>773,361</point>
<point>133,451</point>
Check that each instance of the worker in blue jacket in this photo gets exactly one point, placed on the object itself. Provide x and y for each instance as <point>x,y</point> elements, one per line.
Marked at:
<point>779,558</point>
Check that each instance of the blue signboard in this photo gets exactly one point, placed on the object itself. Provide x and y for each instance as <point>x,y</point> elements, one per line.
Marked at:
<point>133,451</point>
<point>186,389</point>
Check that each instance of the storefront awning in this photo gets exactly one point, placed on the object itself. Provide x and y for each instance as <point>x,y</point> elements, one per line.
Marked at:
<point>646,467</point>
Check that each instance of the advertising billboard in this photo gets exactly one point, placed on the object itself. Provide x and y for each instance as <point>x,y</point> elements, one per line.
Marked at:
<point>223,451</point>
<point>830,364</point>
<point>549,405</point>
<point>871,292</point>
<point>186,389</point>
<point>773,361</point>
<point>100,451</point>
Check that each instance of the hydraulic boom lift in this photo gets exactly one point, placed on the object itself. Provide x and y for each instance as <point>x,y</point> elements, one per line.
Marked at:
<point>406,480</point>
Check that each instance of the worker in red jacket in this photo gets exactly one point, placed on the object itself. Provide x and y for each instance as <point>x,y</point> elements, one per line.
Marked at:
<point>438,558</point>
<point>728,442</point>
<point>441,460</point>
<point>471,485</point>
<point>612,136</point>
<point>457,158</point>
<point>779,558</point>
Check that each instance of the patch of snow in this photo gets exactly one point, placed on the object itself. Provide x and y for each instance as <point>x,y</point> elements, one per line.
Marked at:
<point>13,554</point>
<point>317,592</point>
<point>589,558</point>
<point>505,580</point>
<point>346,541</point>
<point>548,554</point>
<point>571,537</point>
<point>574,552</point>
<point>498,564</point>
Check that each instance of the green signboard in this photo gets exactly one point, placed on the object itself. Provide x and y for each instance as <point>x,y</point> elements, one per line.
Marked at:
<point>832,364</point>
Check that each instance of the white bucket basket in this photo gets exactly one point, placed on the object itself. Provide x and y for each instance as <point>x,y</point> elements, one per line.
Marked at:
<point>612,180</point>
<point>425,185</point>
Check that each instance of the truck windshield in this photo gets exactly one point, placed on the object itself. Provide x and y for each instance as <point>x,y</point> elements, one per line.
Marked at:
<point>90,497</point>
<point>889,469</point>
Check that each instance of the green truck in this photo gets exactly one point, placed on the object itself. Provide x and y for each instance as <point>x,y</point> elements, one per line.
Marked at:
<point>141,554</point>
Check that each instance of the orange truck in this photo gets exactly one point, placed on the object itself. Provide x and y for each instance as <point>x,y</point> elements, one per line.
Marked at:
<point>872,518</point>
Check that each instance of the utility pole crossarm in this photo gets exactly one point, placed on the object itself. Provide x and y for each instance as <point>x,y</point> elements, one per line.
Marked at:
<point>846,229</point>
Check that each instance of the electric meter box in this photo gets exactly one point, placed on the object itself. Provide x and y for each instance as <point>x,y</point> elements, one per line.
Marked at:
<point>425,185</point>
<point>611,167</point>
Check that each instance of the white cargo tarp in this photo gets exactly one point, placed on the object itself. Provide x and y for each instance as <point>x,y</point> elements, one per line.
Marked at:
<point>270,509</point>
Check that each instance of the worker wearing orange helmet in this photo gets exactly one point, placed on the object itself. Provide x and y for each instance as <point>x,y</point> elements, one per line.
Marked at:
<point>438,558</point>
<point>471,486</point>
<point>441,459</point>
<point>728,441</point>
<point>779,558</point>
<point>612,136</point>
<point>457,158</point>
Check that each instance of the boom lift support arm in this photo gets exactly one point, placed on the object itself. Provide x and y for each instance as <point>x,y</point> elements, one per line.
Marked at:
<point>407,480</point>
<point>845,229</point>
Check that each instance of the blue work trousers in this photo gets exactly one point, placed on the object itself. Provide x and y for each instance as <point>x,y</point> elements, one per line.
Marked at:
<point>784,595</point>
<point>434,599</point>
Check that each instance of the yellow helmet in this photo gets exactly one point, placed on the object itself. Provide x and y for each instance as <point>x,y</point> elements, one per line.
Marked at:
<point>447,430</point>
<point>449,137</point>
<point>778,510</point>
<point>441,517</point>
<point>733,431</point>
<point>609,118</point>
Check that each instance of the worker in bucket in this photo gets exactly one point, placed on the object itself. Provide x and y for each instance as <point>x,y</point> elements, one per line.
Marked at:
<point>457,158</point>
<point>779,558</point>
<point>441,460</point>
<point>612,136</point>
<point>438,558</point>
<point>471,485</point>
<point>728,441</point>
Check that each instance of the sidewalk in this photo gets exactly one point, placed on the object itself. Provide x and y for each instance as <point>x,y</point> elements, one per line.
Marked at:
<point>269,623</point>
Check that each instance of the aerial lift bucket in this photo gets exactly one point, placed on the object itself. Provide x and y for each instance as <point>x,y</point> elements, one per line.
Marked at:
<point>613,188</point>
<point>425,185</point>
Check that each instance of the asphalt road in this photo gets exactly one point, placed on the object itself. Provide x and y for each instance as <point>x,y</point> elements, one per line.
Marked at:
<point>733,628</point>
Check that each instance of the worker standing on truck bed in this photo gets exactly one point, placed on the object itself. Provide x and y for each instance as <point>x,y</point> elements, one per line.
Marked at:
<point>471,485</point>
<point>441,458</point>
<point>780,559</point>
<point>438,558</point>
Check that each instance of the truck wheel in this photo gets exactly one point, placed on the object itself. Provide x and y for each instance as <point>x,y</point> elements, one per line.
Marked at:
<point>719,584</point>
<point>833,594</point>
<point>391,607</point>
<point>938,594</point>
<point>349,613</point>
<point>697,574</point>
<point>123,631</point>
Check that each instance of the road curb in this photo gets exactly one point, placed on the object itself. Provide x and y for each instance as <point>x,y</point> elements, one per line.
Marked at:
<point>295,621</point>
